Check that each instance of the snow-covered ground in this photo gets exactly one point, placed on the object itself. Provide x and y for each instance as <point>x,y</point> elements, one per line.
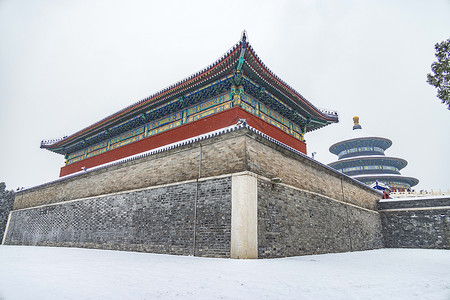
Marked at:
<point>71,273</point>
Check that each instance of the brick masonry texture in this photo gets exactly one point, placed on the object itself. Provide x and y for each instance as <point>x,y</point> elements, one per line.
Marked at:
<point>120,210</point>
<point>224,154</point>
<point>272,161</point>
<point>6,205</point>
<point>294,222</point>
<point>416,223</point>
<point>158,220</point>
<point>417,203</point>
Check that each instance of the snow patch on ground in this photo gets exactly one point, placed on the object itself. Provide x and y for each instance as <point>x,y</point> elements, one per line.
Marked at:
<point>70,273</point>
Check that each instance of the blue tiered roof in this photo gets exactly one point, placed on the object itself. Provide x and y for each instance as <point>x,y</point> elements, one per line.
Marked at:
<point>363,159</point>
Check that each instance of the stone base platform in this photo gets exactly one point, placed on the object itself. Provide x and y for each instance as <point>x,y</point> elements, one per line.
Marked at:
<point>235,193</point>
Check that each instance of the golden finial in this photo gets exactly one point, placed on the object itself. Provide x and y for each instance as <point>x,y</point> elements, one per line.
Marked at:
<point>356,121</point>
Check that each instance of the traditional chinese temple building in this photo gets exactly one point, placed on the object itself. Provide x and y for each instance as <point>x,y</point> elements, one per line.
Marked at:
<point>237,86</point>
<point>214,165</point>
<point>362,157</point>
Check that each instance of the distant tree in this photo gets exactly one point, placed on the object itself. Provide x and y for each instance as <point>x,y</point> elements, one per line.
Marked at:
<point>441,72</point>
<point>6,205</point>
<point>2,187</point>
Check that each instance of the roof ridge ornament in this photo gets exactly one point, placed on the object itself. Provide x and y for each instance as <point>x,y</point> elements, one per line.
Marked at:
<point>241,56</point>
<point>356,123</point>
<point>244,36</point>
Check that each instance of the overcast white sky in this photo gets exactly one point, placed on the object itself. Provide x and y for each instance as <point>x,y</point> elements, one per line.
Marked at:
<point>67,64</point>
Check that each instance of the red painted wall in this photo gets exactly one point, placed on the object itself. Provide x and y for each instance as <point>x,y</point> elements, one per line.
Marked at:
<point>208,124</point>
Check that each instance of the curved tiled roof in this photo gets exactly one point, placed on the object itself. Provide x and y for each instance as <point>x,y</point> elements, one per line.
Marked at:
<point>399,163</point>
<point>225,65</point>
<point>383,143</point>
<point>388,177</point>
<point>367,164</point>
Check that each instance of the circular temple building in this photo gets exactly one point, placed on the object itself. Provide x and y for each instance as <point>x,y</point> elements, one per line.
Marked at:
<point>362,158</point>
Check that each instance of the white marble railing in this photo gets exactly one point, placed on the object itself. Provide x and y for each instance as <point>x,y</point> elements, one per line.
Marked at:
<point>421,193</point>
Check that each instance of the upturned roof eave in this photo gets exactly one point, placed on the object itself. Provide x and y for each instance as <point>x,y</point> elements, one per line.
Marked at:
<point>189,83</point>
<point>287,91</point>
<point>151,100</point>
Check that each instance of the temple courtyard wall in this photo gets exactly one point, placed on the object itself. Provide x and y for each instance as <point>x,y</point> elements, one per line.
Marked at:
<point>416,223</point>
<point>236,194</point>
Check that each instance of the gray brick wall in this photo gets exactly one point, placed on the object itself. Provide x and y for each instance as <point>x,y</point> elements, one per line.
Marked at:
<point>124,212</point>
<point>416,203</point>
<point>294,222</point>
<point>229,153</point>
<point>159,220</point>
<point>416,223</point>
<point>224,154</point>
<point>270,160</point>
<point>6,205</point>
